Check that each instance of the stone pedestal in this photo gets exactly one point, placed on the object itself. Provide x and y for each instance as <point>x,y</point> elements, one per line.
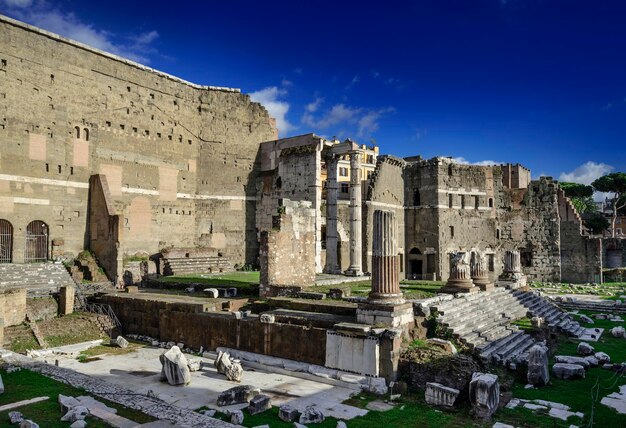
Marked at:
<point>385,315</point>
<point>66,300</point>
<point>356,243</point>
<point>460,280</point>
<point>512,276</point>
<point>479,272</point>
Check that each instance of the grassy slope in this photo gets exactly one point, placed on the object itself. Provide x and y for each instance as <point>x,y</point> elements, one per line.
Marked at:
<point>25,384</point>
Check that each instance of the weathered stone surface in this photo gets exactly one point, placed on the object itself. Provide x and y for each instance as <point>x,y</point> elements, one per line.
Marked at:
<point>619,332</point>
<point>446,345</point>
<point>79,424</point>
<point>15,417</point>
<point>568,371</point>
<point>120,342</point>
<point>603,358</point>
<point>267,318</point>
<point>593,361</point>
<point>28,424</point>
<point>586,319</point>
<point>287,413</point>
<point>341,424</point>
<point>237,395</point>
<point>440,395</point>
<point>78,413</point>
<point>585,349</point>
<point>194,364</point>
<point>567,359</point>
<point>212,293</point>
<point>259,404</point>
<point>538,373</point>
<point>230,368</point>
<point>67,403</point>
<point>311,415</point>
<point>236,417</point>
<point>174,368</point>
<point>484,394</point>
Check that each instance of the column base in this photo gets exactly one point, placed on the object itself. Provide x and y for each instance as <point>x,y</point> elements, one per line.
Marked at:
<point>385,299</point>
<point>513,283</point>
<point>382,315</point>
<point>335,270</point>
<point>483,283</point>
<point>454,286</point>
<point>354,271</point>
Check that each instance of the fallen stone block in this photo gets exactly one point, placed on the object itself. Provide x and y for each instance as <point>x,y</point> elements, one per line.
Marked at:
<point>567,359</point>
<point>194,364</point>
<point>79,424</point>
<point>538,373</point>
<point>267,318</point>
<point>586,319</point>
<point>618,332</point>
<point>311,415</point>
<point>341,424</point>
<point>237,395</point>
<point>15,417</point>
<point>210,413</point>
<point>236,417</point>
<point>440,395</point>
<point>28,424</point>
<point>67,403</point>
<point>602,358</point>
<point>174,368</point>
<point>259,404</point>
<point>78,413</point>
<point>585,349</point>
<point>212,293</point>
<point>287,413</point>
<point>484,394</point>
<point>593,361</point>
<point>120,342</point>
<point>568,371</point>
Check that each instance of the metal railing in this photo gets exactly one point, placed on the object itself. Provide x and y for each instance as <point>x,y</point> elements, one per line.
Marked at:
<point>105,311</point>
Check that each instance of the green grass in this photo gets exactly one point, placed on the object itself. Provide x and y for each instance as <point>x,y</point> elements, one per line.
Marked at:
<point>523,323</point>
<point>577,393</point>
<point>420,289</point>
<point>111,350</point>
<point>25,384</point>
<point>246,282</point>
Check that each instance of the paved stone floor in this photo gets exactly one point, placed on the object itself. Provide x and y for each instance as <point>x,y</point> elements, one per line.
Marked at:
<point>140,371</point>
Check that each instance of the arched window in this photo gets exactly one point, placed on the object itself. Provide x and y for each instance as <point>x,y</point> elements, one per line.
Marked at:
<point>36,245</point>
<point>6,241</point>
<point>86,133</point>
<point>77,132</point>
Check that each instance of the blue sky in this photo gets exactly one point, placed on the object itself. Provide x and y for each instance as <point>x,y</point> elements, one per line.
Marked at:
<point>539,82</point>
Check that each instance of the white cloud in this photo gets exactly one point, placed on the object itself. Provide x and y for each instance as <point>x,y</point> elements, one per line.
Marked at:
<point>365,121</point>
<point>270,98</point>
<point>135,47</point>
<point>314,105</point>
<point>462,160</point>
<point>356,79</point>
<point>586,173</point>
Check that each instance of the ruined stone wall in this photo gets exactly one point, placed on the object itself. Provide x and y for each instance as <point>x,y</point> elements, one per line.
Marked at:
<point>290,169</point>
<point>14,304</point>
<point>287,255</point>
<point>386,192</point>
<point>580,254</point>
<point>69,112</point>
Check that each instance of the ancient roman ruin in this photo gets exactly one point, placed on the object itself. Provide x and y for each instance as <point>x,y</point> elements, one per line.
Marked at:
<point>114,176</point>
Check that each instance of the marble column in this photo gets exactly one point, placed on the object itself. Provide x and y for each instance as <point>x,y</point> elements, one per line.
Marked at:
<point>512,262</point>
<point>332,239</point>
<point>356,243</point>
<point>385,260</point>
<point>460,280</point>
<point>479,271</point>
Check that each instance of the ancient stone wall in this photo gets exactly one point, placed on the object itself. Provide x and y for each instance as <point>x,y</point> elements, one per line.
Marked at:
<point>75,112</point>
<point>287,255</point>
<point>14,304</point>
<point>385,191</point>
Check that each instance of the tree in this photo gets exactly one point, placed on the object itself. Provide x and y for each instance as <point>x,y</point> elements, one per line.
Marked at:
<point>580,195</point>
<point>596,222</point>
<point>614,183</point>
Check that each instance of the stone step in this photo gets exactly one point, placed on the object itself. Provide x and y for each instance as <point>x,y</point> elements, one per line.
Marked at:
<point>505,343</point>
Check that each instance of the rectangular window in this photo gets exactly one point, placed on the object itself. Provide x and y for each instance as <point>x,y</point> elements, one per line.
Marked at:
<point>450,200</point>
<point>491,262</point>
<point>462,202</point>
<point>476,202</point>
<point>451,231</point>
<point>343,171</point>
<point>345,187</point>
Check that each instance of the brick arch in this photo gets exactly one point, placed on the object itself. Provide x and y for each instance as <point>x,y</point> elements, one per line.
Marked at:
<point>6,241</point>
<point>36,242</point>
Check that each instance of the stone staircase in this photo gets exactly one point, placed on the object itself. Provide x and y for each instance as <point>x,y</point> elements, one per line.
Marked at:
<point>483,321</point>
<point>40,279</point>
<point>197,264</point>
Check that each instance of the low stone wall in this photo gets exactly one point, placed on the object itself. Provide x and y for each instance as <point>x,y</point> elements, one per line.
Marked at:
<point>43,308</point>
<point>203,324</point>
<point>14,304</point>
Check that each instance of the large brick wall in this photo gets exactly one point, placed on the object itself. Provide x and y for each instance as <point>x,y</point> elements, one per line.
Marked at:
<point>69,112</point>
